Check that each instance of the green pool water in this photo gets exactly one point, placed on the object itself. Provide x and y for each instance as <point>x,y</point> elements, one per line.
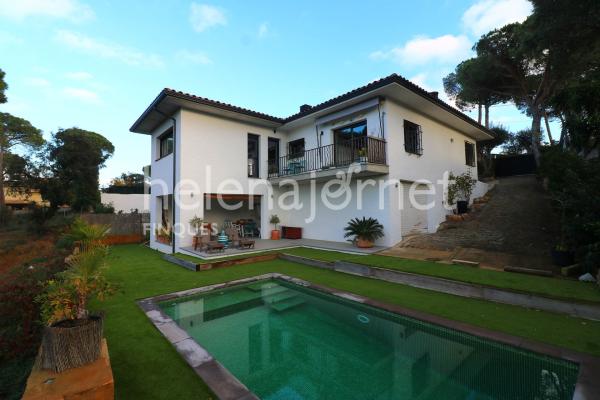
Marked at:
<point>284,341</point>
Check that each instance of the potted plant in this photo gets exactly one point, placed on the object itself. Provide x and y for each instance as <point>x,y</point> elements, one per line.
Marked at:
<point>163,235</point>
<point>73,335</point>
<point>460,190</point>
<point>197,223</point>
<point>562,255</point>
<point>274,220</point>
<point>363,232</point>
<point>363,155</point>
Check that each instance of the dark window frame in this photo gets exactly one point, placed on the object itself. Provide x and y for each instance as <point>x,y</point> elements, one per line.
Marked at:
<point>297,153</point>
<point>161,138</point>
<point>339,131</point>
<point>413,138</point>
<point>256,167</point>
<point>470,158</point>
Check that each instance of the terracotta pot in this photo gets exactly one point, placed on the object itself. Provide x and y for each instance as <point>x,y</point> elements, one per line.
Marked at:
<point>275,234</point>
<point>363,243</point>
<point>72,343</point>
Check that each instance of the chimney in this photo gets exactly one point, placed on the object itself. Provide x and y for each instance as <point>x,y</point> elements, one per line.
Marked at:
<point>434,94</point>
<point>305,108</point>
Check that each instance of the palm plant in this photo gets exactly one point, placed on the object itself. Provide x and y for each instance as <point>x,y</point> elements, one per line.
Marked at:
<point>84,234</point>
<point>73,335</point>
<point>365,230</point>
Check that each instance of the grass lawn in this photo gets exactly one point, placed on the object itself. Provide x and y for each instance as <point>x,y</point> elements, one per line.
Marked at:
<point>549,287</point>
<point>145,365</point>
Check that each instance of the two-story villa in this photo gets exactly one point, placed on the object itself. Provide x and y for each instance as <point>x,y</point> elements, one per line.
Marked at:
<point>391,133</point>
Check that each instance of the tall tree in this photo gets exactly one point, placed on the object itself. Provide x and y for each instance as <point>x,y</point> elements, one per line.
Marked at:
<point>15,131</point>
<point>485,148</point>
<point>473,83</point>
<point>126,183</point>
<point>538,58</point>
<point>3,87</point>
<point>75,157</point>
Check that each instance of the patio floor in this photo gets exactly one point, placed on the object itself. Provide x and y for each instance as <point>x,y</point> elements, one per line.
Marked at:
<point>266,245</point>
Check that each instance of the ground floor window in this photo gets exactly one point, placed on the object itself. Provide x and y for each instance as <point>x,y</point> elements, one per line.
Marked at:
<point>164,225</point>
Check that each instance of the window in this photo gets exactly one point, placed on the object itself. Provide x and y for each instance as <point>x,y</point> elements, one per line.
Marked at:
<point>253,145</point>
<point>273,155</point>
<point>296,148</point>
<point>412,138</point>
<point>470,154</point>
<point>165,143</point>
<point>352,131</point>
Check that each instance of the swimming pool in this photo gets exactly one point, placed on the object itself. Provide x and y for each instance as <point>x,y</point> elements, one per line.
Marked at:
<point>283,340</point>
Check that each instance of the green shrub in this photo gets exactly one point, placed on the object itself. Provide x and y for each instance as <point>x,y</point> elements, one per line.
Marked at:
<point>574,184</point>
<point>39,219</point>
<point>102,208</point>
<point>6,215</point>
<point>363,228</point>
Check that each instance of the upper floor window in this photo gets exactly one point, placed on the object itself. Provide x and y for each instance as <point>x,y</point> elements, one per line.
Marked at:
<point>165,143</point>
<point>413,142</point>
<point>352,131</point>
<point>470,154</point>
<point>253,153</point>
<point>296,148</point>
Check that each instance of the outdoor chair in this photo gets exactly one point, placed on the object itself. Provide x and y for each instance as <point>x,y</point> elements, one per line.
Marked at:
<point>214,246</point>
<point>242,243</point>
<point>200,241</point>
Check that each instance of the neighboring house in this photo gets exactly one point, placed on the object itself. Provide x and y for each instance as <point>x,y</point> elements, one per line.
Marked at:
<point>17,199</point>
<point>388,129</point>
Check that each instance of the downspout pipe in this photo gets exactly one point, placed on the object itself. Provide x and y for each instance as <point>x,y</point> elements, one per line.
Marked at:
<point>174,171</point>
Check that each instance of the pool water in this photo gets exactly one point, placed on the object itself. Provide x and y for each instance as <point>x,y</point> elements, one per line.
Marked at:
<point>284,341</point>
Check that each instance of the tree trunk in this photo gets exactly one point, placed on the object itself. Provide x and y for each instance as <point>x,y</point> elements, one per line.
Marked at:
<point>548,127</point>
<point>479,113</point>
<point>536,123</point>
<point>2,199</point>
<point>487,115</point>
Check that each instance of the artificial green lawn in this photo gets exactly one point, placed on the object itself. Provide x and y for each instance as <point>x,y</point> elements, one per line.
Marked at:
<point>558,288</point>
<point>145,365</point>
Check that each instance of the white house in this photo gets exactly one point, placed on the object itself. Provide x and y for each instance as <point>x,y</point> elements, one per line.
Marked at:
<point>391,133</point>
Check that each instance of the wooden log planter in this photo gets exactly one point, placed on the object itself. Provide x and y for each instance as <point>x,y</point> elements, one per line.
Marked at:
<point>219,264</point>
<point>71,343</point>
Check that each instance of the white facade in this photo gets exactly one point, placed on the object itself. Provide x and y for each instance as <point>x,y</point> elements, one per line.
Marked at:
<point>211,151</point>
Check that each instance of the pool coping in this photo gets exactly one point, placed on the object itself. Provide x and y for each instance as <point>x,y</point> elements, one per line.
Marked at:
<point>227,387</point>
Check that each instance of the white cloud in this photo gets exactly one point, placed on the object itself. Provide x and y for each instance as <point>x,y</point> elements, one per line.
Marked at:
<point>82,94</point>
<point>108,50</point>
<point>67,9</point>
<point>79,76</point>
<point>487,15</point>
<point>263,30</point>
<point>423,50</point>
<point>193,57</point>
<point>205,16</point>
<point>37,82</point>
<point>421,80</point>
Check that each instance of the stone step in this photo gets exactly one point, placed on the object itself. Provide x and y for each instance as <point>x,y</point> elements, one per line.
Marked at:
<point>287,304</point>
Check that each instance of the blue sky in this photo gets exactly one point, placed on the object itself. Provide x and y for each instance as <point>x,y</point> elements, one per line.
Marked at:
<point>98,64</point>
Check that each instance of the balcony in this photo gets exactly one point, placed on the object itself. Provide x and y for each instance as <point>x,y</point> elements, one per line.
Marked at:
<point>366,152</point>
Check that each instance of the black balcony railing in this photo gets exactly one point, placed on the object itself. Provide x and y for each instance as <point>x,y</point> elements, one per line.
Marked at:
<point>365,149</point>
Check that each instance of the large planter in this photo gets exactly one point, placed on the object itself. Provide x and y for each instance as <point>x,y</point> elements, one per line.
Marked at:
<point>363,243</point>
<point>71,343</point>
<point>275,234</point>
<point>563,258</point>
<point>462,207</point>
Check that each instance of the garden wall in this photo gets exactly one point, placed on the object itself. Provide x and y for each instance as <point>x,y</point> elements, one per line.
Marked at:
<point>124,228</point>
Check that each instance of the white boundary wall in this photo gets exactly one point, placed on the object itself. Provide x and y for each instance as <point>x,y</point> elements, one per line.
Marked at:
<point>127,202</point>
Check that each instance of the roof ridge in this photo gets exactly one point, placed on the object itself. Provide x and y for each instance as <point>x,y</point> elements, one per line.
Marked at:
<point>376,84</point>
